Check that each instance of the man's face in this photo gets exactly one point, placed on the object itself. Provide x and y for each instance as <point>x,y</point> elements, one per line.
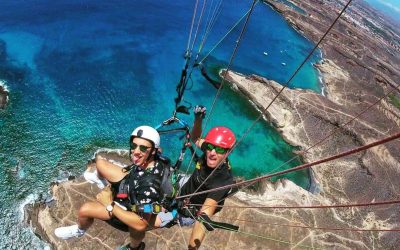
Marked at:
<point>140,150</point>
<point>214,158</point>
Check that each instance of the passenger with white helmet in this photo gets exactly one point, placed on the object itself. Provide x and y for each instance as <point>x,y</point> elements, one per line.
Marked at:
<point>133,191</point>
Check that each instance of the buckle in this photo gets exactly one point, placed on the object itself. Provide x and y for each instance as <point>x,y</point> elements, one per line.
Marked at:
<point>147,208</point>
<point>122,196</point>
<point>134,208</point>
<point>157,208</point>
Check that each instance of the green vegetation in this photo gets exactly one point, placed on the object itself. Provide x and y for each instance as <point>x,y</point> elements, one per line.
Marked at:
<point>395,100</point>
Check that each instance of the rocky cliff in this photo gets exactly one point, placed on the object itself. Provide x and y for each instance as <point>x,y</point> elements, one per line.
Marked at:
<point>305,118</point>
<point>259,228</point>
<point>67,197</point>
<point>3,97</point>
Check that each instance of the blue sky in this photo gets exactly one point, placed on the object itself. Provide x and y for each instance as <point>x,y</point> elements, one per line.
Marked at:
<point>389,7</point>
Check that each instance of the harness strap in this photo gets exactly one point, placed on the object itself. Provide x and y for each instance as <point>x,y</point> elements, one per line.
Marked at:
<point>151,208</point>
<point>210,225</point>
<point>193,212</point>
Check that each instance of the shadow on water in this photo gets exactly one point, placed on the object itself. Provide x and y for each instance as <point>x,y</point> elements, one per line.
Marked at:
<point>9,72</point>
<point>215,65</point>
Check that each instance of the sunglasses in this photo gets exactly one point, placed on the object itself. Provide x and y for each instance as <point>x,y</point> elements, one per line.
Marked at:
<point>218,150</point>
<point>142,148</point>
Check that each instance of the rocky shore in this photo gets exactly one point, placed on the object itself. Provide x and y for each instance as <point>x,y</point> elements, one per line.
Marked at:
<point>360,66</point>
<point>3,96</point>
<point>61,209</point>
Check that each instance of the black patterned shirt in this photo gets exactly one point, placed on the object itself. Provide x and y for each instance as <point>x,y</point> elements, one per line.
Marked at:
<point>145,184</point>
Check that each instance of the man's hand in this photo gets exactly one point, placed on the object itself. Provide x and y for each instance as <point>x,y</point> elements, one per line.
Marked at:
<point>199,111</point>
<point>105,196</point>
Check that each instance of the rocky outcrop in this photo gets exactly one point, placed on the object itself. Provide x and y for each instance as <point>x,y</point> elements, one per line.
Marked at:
<point>260,228</point>
<point>3,97</point>
<point>306,119</point>
<point>68,196</point>
<point>3,90</point>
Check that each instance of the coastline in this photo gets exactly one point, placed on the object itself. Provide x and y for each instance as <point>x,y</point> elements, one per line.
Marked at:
<point>292,24</point>
<point>3,94</point>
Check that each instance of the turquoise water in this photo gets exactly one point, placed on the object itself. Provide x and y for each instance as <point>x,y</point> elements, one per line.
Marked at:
<point>83,74</point>
<point>390,8</point>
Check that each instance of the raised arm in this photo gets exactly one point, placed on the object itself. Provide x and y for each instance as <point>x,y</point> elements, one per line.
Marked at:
<point>199,114</point>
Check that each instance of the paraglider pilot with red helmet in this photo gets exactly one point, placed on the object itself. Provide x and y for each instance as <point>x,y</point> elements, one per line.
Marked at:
<point>212,170</point>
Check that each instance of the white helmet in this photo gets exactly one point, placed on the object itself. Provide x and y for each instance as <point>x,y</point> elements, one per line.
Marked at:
<point>147,133</point>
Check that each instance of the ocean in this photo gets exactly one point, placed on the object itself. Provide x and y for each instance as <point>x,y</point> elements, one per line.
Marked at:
<point>83,74</point>
<point>390,8</point>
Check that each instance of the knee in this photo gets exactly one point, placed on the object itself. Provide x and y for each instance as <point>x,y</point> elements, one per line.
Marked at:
<point>100,165</point>
<point>136,234</point>
<point>97,160</point>
<point>85,210</point>
<point>140,228</point>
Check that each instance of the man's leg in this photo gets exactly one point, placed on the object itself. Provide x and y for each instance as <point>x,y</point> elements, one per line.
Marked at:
<point>87,213</point>
<point>197,236</point>
<point>136,237</point>
<point>90,211</point>
<point>109,171</point>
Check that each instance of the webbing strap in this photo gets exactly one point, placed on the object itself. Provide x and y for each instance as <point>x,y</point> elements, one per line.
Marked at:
<point>210,225</point>
<point>151,208</point>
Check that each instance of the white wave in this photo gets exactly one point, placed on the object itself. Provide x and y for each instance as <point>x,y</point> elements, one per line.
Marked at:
<point>321,83</point>
<point>121,152</point>
<point>258,109</point>
<point>321,54</point>
<point>30,199</point>
<point>37,243</point>
<point>3,83</point>
<point>320,78</point>
<point>110,150</point>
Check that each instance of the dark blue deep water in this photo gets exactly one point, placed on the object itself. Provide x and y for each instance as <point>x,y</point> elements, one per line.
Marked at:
<point>83,74</point>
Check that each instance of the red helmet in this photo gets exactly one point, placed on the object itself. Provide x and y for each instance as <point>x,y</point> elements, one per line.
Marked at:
<point>220,136</point>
